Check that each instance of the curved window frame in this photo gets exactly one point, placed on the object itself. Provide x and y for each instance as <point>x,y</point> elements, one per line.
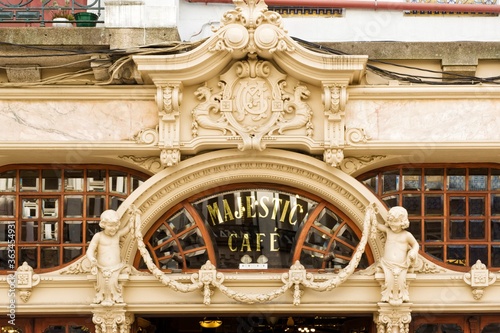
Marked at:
<point>454,209</point>
<point>49,213</point>
<point>301,249</point>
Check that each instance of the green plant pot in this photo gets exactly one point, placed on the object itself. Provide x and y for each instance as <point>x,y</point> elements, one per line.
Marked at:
<point>86,19</point>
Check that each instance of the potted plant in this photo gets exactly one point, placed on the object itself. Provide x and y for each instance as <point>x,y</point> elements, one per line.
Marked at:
<point>86,19</point>
<point>62,17</point>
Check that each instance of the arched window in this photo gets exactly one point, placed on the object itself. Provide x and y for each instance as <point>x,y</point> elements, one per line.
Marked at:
<point>48,214</point>
<point>257,226</point>
<point>454,210</point>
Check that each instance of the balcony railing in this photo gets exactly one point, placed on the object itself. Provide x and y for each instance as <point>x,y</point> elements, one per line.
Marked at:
<point>39,13</point>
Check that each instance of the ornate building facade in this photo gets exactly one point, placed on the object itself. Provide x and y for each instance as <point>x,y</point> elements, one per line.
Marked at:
<point>247,182</point>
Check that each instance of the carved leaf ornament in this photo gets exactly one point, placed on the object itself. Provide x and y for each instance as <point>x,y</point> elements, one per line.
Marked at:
<point>208,279</point>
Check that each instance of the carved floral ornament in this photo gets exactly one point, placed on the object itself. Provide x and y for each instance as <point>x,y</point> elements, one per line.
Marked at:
<point>265,94</point>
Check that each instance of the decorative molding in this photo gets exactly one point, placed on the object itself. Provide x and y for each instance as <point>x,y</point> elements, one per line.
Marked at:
<point>26,279</point>
<point>352,164</point>
<point>149,163</point>
<point>393,319</point>
<point>114,319</point>
<point>479,277</point>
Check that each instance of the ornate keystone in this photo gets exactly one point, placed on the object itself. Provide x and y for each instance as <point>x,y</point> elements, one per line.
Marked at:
<point>479,277</point>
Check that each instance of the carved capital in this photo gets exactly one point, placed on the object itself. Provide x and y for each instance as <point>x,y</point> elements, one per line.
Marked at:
<point>393,319</point>
<point>479,277</point>
<point>26,279</point>
<point>113,319</point>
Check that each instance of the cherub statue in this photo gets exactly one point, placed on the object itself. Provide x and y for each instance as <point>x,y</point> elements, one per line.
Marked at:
<point>104,256</point>
<point>400,253</point>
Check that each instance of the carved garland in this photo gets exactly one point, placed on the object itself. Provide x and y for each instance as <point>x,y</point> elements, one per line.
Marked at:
<point>208,278</point>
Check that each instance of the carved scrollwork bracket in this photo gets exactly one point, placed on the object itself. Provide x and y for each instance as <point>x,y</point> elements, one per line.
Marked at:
<point>334,99</point>
<point>168,99</point>
<point>479,277</point>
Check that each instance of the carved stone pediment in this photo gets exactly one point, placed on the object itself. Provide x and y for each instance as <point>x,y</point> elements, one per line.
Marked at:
<point>251,86</point>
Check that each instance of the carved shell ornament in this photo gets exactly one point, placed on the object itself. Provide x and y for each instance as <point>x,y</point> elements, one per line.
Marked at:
<point>251,28</point>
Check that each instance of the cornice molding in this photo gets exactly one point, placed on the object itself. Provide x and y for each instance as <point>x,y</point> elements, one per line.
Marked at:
<point>422,92</point>
<point>67,93</point>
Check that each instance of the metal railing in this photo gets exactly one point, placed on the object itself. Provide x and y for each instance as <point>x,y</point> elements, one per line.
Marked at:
<point>17,13</point>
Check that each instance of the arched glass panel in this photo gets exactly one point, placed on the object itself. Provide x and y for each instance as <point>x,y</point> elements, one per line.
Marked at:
<point>49,214</point>
<point>454,210</point>
<point>253,228</point>
<point>439,328</point>
<point>491,328</point>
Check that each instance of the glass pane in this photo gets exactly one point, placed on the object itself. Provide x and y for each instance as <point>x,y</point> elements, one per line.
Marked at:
<point>495,179</point>
<point>135,183</point>
<point>181,221</point>
<point>391,201</point>
<point>72,232</point>
<point>415,229</point>
<point>435,251</point>
<point>95,205</point>
<point>478,252</point>
<point>117,182</point>
<point>28,254</point>
<point>50,208</point>
<point>92,229</point>
<point>434,179</point>
<point>455,255</point>
<point>348,236</point>
<point>49,257</point>
<point>8,181</point>
<point>495,204</point>
<point>478,179</point>
<point>433,205</point>
<point>191,239</point>
<point>328,221</point>
<point>342,250</point>
<point>311,259</point>
<point>495,230</point>
<point>73,205</point>
<point>49,231</point>
<point>96,180</point>
<point>412,179</point>
<point>317,239</point>
<point>55,329</point>
<point>491,328</point>
<point>455,179</point>
<point>7,231</point>
<point>451,328</point>
<point>78,329</point>
<point>371,183</point>
<point>427,328</point>
<point>4,259</point>
<point>171,262</point>
<point>29,231</point>
<point>7,205</point>
<point>115,202</point>
<point>390,181</point>
<point>196,259</point>
<point>30,208</point>
<point>477,229</point>
<point>413,204</point>
<point>168,249</point>
<point>71,253</point>
<point>477,206</point>
<point>457,229</point>
<point>28,180</point>
<point>161,235</point>
<point>433,230</point>
<point>457,206</point>
<point>51,180</point>
<point>73,180</point>
<point>495,256</point>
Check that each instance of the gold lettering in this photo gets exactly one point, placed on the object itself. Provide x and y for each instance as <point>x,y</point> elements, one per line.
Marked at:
<point>230,242</point>
<point>227,211</point>
<point>259,240</point>
<point>246,243</point>
<point>283,212</point>
<point>264,207</point>
<point>214,212</point>
<point>277,203</point>
<point>250,203</point>
<point>273,240</point>
<point>239,213</point>
<point>292,213</point>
